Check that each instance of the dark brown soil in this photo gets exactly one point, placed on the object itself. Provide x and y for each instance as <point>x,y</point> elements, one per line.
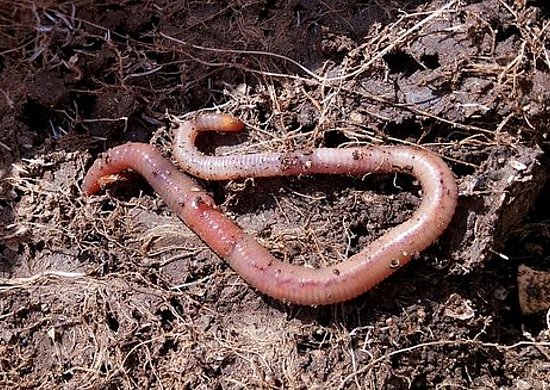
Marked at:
<point>115,292</point>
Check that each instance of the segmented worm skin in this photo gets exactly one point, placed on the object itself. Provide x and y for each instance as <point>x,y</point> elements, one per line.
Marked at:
<point>288,282</point>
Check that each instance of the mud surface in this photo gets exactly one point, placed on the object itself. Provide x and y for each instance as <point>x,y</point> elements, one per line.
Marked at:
<point>114,291</point>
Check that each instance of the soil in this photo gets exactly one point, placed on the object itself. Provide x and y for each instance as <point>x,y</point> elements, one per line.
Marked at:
<point>113,291</point>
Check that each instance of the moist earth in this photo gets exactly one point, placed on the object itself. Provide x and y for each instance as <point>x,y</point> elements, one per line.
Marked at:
<point>113,291</point>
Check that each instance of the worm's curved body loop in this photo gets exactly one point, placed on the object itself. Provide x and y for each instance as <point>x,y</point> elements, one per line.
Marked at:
<point>288,282</point>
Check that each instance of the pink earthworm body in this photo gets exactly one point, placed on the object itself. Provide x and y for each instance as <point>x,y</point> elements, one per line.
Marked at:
<point>288,282</point>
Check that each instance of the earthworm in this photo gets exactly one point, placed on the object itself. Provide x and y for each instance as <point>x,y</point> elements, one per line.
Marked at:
<point>288,282</point>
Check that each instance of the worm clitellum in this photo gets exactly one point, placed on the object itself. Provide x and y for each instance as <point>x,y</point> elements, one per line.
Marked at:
<point>288,282</point>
